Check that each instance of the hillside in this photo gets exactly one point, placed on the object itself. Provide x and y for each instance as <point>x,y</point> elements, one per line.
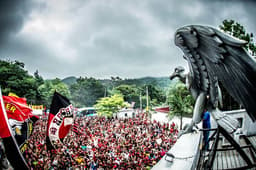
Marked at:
<point>162,82</point>
<point>69,80</point>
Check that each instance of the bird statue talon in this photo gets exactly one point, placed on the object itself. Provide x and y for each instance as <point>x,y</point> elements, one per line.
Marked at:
<point>188,128</point>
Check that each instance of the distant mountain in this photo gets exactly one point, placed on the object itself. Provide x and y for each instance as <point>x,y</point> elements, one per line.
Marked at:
<point>161,82</point>
<point>69,80</point>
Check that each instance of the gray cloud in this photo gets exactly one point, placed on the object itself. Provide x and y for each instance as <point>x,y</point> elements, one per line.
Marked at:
<point>107,38</point>
<point>12,16</point>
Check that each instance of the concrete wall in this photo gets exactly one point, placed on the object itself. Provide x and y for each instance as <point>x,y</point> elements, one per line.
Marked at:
<point>185,151</point>
<point>248,127</point>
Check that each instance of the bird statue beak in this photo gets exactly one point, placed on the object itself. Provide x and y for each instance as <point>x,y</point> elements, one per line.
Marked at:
<point>173,76</point>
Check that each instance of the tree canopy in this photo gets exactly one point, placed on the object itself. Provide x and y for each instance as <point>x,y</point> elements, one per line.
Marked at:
<point>237,30</point>
<point>86,91</point>
<point>132,93</point>
<point>14,78</point>
<point>107,106</point>
<point>180,101</point>
<point>82,91</point>
<point>156,94</point>
<point>47,89</point>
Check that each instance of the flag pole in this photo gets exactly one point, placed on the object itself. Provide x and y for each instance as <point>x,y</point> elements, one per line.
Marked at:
<point>147,99</point>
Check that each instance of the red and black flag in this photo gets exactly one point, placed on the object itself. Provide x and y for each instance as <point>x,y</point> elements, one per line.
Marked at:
<point>12,149</point>
<point>60,119</point>
<point>17,108</point>
<point>20,118</point>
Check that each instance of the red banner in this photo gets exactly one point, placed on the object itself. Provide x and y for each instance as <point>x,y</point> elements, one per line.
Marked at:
<point>163,109</point>
<point>4,130</point>
<point>17,108</point>
<point>12,151</point>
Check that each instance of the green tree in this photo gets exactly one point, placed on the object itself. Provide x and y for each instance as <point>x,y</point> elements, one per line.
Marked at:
<point>129,92</point>
<point>38,82</point>
<point>106,106</point>
<point>115,81</point>
<point>47,89</point>
<point>155,94</point>
<point>39,79</point>
<point>132,93</point>
<point>180,101</point>
<point>14,78</point>
<point>86,91</point>
<point>237,30</point>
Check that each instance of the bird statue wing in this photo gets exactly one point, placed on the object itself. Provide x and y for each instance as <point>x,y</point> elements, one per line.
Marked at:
<point>224,59</point>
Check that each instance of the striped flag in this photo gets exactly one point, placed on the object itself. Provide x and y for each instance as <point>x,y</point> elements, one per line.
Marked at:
<point>12,149</point>
<point>60,119</point>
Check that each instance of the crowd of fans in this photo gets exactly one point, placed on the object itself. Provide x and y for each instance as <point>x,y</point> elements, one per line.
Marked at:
<point>103,143</point>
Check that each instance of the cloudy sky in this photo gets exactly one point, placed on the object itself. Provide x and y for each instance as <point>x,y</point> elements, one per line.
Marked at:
<point>103,38</point>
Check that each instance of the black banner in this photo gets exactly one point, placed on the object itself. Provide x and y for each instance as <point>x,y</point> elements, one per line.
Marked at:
<point>60,119</point>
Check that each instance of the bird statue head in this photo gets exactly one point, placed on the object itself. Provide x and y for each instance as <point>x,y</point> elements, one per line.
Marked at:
<point>186,37</point>
<point>178,72</point>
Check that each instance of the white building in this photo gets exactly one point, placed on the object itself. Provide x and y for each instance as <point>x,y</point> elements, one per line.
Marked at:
<point>125,113</point>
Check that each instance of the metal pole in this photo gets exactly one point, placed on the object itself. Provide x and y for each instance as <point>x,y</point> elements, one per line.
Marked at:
<point>140,102</point>
<point>147,97</point>
<point>105,93</point>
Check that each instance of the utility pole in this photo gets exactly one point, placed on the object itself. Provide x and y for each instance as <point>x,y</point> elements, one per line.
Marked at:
<point>140,102</point>
<point>105,93</point>
<point>147,98</point>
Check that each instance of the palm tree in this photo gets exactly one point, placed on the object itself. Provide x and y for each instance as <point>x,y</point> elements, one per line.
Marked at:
<point>180,101</point>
